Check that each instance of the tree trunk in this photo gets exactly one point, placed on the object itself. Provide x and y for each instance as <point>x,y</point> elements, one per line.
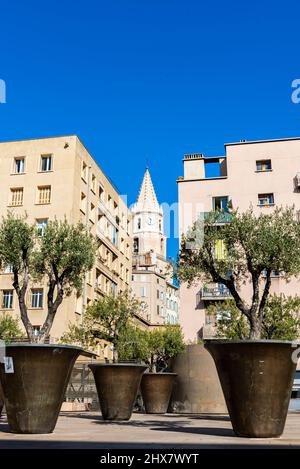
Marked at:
<point>25,320</point>
<point>115,353</point>
<point>52,310</point>
<point>21,294</point>
<point>255,328</point>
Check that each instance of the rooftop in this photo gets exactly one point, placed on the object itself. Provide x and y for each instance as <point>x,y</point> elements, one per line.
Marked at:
<point>246,142</point>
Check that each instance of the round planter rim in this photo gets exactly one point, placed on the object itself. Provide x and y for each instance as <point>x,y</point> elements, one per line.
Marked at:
<point>96,365</point>
<point>28,345</point>
<point>160,373</point>
<point>249,341</point>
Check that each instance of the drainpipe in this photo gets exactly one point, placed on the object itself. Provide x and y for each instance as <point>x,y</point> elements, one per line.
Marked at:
<point>87,209</point>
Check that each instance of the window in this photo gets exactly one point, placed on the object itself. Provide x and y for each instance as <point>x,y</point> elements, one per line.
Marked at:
<point>263,165</point>
<point>83,202</point>
<point>7,300</point>
<point>101,193</point>
<point>36,330</point>
<point>158,309</point>
<point>274,273</point>
<point>94,183</point>
<point>16,196</point>
<point>84,171</point>
<point>114,289</point>
<point>92,213</point>
<point>46,163</point>
<point>143,292</point>
<point>265,199</point>
<point>116,209</point>
<point>114,235</point>
<point>19,165</point>
<point>44,194</point>
<point>162,245</point>
<point>109,202</point>
<point>139,223</point>
<point>41,225</point>
<point>157,294</point>
<point>136,245</point>
<point>160,226</point>
<point>220,203</point>
<point>37,298</point>
<point>8,269</point>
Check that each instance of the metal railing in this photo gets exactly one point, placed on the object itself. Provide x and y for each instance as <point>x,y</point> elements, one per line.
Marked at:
<point>219,292</point>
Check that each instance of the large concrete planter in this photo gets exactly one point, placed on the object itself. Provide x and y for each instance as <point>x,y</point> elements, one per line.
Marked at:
<point>257,379</point>
<point>156,389</point>
<point>34,392</point>
<point>1,400</point>
<point>197,388</point>
<point>117,386</point>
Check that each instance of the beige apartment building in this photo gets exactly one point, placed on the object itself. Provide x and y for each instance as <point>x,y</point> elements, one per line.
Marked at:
<point>263,174</point>
<point>58,178</point>
<point>152,281</point>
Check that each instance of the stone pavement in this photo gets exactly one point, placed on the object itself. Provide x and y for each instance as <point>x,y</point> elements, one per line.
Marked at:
<point>88,431</point>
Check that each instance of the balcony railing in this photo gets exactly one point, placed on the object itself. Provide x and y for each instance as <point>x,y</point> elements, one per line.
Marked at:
<point>219,292</point>
<point>144,260</point>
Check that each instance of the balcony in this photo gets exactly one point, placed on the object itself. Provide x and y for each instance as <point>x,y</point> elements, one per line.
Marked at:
<point>144,260</point>
<point>222,217</point>
<point>218,292</point>
<point>107,241</point>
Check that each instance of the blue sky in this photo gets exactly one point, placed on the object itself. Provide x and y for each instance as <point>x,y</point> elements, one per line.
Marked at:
<point>143,82</point>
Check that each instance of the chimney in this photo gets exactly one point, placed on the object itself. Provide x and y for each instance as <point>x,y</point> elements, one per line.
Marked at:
<point>194,166</point>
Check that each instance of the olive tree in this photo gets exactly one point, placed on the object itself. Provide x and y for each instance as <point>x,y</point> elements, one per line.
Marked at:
<point>154,347</point>
<point>9,328</point>
<point>281,319</point>
<point>107,318</point>
<point>62,256</point>
<point>253,247</point>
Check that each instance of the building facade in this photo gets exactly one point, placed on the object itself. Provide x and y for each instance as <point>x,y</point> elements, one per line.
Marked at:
<point>261,174</point>
<point>152,281</point>
<point>57,178</point>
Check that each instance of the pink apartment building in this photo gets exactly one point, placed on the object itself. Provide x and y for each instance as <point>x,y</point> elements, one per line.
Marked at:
<point>263,174</point>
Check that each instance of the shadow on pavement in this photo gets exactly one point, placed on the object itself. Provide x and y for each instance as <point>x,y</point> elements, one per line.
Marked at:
<point>88,445</point>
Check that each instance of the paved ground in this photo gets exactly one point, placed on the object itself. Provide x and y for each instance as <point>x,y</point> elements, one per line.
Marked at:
<point>88,430</point>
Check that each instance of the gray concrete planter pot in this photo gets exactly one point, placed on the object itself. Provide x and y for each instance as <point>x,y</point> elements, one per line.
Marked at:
<point>1,400</point>
<point>34,392</point>
<point>197,388</point>
<point>257,379</point>
<point>156,389</point>
<point>117,386</point>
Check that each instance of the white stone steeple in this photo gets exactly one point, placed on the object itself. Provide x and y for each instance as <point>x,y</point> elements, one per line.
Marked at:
<point>147,200</point>
<point>148,228</point>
